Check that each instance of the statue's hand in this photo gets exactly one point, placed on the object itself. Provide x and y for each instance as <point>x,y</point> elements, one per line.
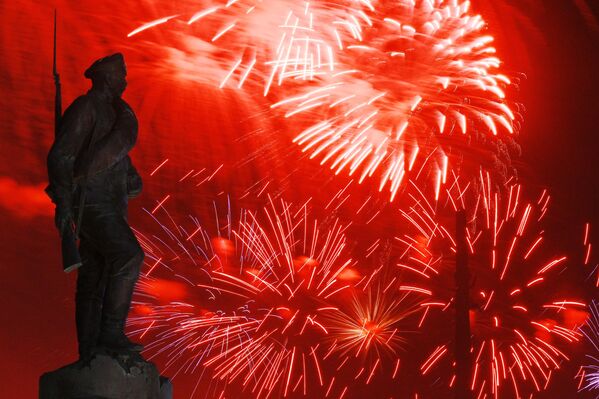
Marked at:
<point>63,218</point>
<point>134,184</point>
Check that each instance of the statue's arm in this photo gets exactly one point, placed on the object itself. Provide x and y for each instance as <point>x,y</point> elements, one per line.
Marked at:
<point>75,131</point>
<point>116,145</point>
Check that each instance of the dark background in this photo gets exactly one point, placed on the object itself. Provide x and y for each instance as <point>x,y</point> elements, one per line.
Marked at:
<point>555,43</point>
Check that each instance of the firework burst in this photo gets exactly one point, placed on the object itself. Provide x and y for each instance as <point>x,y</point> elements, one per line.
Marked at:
<point>520,321</point>
<point>371,324</point>
<point>266,287</point>
<point>369,335</point>
<point>408,98</point>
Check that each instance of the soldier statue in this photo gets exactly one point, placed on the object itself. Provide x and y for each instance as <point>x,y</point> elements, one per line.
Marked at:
<point>91,179</point>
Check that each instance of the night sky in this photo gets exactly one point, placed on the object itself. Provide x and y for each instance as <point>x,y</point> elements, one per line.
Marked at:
<point>553,45</point>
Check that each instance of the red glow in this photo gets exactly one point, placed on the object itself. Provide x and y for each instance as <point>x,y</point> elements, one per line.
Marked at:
<point>167,291</point>
<point>223,247</point>
<point>201,144</point>
<point>24,201</point>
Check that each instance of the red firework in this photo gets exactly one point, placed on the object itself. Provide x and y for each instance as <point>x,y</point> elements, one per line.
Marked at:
<point>520,317</point>
<point>368,337</point>
<point>271,284</point>
<point>408,97</point>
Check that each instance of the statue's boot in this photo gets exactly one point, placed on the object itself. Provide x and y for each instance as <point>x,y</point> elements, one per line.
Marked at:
<point>88,314</point>
<point>117,300</point>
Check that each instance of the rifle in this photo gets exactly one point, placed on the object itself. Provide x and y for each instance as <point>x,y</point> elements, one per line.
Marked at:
<point>71,259</point>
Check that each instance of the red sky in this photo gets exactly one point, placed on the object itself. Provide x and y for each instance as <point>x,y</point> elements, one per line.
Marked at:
<point>554,43</point>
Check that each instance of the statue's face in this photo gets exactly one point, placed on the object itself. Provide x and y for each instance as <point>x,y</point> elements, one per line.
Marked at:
<point>118,82</point>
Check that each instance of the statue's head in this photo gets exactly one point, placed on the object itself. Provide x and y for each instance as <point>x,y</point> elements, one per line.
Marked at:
<point>109,72</point>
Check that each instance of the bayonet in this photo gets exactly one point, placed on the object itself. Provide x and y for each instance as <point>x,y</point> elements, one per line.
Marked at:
<point>58,95</point>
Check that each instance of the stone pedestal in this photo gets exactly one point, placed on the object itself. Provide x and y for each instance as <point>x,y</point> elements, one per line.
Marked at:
<point>106,376</point>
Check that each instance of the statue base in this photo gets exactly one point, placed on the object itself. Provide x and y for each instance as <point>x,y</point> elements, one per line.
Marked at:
<point>107,375</point>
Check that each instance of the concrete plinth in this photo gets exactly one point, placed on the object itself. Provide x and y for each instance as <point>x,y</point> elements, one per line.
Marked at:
<point>106,376</point>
